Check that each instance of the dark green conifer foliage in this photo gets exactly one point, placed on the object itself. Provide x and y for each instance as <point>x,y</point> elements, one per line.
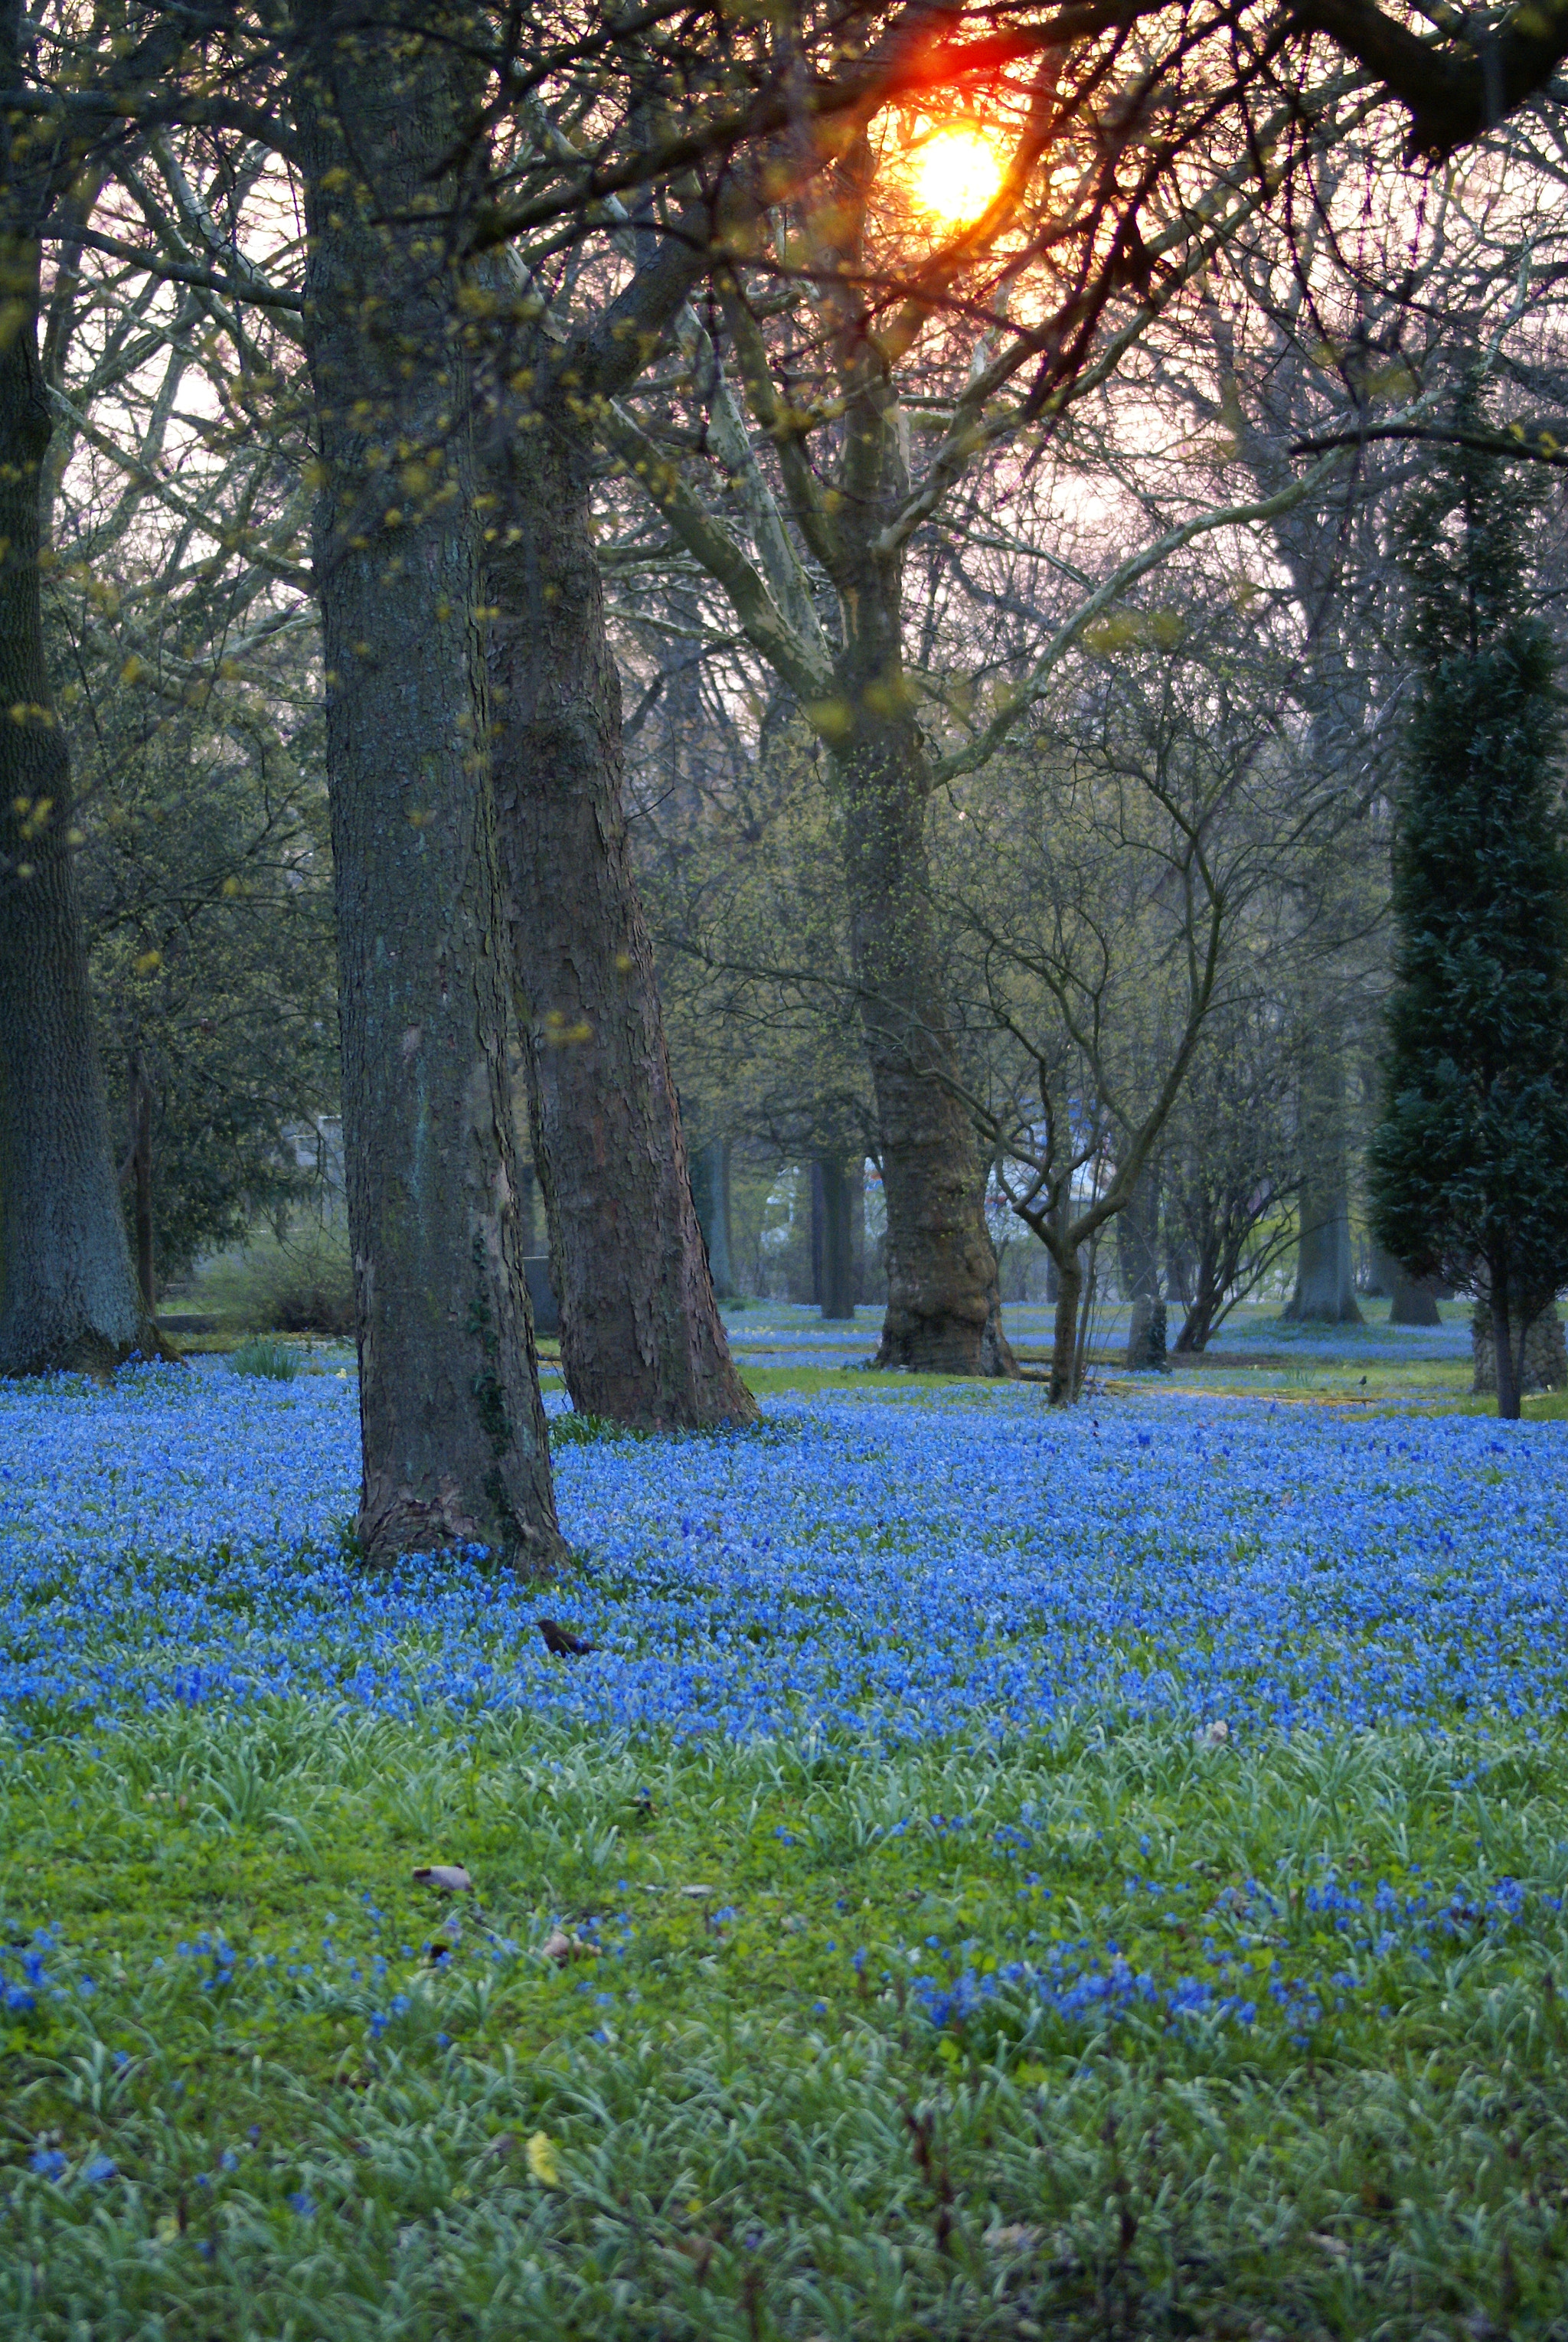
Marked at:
<point>1469,1167</point>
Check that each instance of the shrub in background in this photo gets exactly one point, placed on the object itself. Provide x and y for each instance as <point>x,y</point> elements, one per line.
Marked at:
<point>277,1362</point>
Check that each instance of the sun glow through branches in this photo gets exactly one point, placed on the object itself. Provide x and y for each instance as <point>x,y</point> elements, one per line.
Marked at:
<point>957,172</point>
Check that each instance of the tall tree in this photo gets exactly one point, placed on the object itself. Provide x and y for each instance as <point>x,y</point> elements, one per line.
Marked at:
<point>642,1340</point>
<point>454,1443</point>
<point>68,1297</point>
<point>1469,1165</point>
<point>882,382</point>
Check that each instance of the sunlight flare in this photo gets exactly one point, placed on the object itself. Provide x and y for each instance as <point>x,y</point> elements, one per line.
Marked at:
<point>957,172</point>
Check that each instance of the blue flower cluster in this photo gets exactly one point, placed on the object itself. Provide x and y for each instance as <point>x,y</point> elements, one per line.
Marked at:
<point>893,1565</point>
<point>1344,1939</point>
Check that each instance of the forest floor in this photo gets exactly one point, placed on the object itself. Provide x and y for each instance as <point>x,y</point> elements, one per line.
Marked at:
<point>1004,1873</point>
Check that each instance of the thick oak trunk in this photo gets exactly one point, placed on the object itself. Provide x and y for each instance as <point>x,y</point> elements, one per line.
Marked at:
<point>67,1296</point>
<point>642,1340</point>
<point>454,1445</point>
<point>944,1299</point>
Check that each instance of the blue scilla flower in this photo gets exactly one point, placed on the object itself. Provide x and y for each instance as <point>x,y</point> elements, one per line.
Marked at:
<point>47,2162</point>
<point>983,1564</point>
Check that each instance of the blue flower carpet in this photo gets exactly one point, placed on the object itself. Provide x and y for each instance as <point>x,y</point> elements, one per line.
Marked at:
<point>894,1568</point>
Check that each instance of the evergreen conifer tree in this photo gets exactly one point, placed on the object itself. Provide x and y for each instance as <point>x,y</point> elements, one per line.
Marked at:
<point>1469,1165</point>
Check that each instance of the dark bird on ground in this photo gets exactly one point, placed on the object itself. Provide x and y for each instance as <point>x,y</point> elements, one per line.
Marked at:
<point>559,1641</point>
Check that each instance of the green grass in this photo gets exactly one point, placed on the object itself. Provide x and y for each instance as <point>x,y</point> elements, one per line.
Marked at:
<point>754,2135</point>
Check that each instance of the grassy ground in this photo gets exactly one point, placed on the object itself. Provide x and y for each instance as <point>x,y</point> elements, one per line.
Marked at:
<point>1109,2028</point>
<point>753,2096</point>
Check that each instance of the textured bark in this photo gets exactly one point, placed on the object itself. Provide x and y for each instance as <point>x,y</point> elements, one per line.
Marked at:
<point>454,1443</point>
<point>67,1297</point>
<point>642,1341</point>
<point>944,1297</point>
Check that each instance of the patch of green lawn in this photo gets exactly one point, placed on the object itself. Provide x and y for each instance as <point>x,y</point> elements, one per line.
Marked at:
<point>337,2103</point>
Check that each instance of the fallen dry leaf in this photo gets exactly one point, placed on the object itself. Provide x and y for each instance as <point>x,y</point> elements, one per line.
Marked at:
<point>559,1947</point>
<point>1016,2236</point>
<point>697,1890</point>
<point>449,1877</point>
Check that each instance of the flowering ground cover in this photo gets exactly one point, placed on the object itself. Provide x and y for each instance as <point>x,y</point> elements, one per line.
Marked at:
<point>1001,1873</point>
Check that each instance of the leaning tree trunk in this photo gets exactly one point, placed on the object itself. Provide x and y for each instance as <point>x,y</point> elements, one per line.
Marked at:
<point>455,1450</point>
<point>1325,1279</point>
<point>944,1298</point>
<point>67,1296</point>
<point>642,1340</point>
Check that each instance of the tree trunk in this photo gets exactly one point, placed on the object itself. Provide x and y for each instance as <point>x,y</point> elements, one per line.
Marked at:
<point>454,1445</point>
<point>711,1195</point>
<point>1138,1265</point>
<point>526,1184</point>
<point>1539,1348</point>
<point>944,1298</point>
<point>1412,1301</point>
<point>1325,1272</point>
<point>857,1246</point>
<point>1214,1270</point>
<point>1065,1340</point>
<point>1146,1337</point>
<point>68,1300</point>
<point>141,1092</point>
<point>833,1236</point>
<point>1505,1352</point>
<point>642,1340</point>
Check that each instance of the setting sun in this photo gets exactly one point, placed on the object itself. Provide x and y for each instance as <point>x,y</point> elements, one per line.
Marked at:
<point>957,172</point>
